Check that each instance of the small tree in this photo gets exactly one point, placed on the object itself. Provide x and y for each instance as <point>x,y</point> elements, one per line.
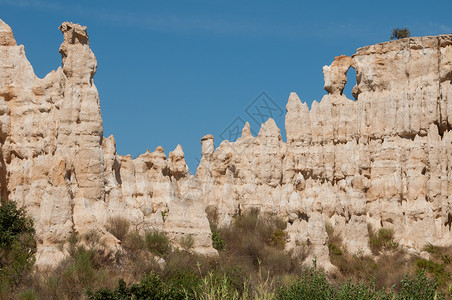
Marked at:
<point>17,242</point>
<point>400,33</point>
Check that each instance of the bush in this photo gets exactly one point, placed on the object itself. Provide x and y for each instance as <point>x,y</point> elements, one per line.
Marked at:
<point>381,240</point>
<point>152,286</point>
<point>17,243</point>
<point>278,239</point>
<point>121,292</point>
<point>119,227</point>
<point>334,241</point>
<point>334,250</point>
<point>183,262</point>
<point>437,270</point>
<point>312,285</point>
<point>361,290</point>
<point>14,223</point>
<point>215,286</point>
<point>133,242</point>
<point>400,33</point>
<point>217,241</point>
<point>187,242</point>
<point>157,242</point>
<point>419,287</point>
<point>259,241</point>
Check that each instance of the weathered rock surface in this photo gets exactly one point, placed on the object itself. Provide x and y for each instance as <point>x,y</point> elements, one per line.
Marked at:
<point>56,163</point>
<point>384,159</point>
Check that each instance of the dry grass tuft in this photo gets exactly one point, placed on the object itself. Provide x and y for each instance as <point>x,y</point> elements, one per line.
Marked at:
<point>119,227</point>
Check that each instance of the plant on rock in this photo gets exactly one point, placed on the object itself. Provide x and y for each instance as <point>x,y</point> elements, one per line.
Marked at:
<point>400,33</point>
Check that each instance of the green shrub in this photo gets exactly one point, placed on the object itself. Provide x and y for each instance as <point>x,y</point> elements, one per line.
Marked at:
<point>152,286</point>
<point>121,292</point>
<point>278,239</point>
<point>437,270</point>
<point>400,33</point>
<point>419,287</point>
<point>133,242</point>
<point>446,259</point>
<point>157,242</point>
<point>432,249</point>
<point>217,241</point>
<point>334,250</point>
<point>334,241</point>
<point>254,243</point>
<point>381,240</point>
<point>27,294</point>
<point>187,242</point>
<point>183,262</point>
<point>216,286</point>
<point>312,285</point>
<point>15,263</point>
<point>75,274</point>
<point>17,243</point>
<point>361,290</point>
<point>14,223</point>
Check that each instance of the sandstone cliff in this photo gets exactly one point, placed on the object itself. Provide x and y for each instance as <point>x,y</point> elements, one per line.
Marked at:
<point>383,159</point>
<point>56,163</point>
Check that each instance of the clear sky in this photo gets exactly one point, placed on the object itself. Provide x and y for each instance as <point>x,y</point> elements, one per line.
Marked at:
<point>170,72</point>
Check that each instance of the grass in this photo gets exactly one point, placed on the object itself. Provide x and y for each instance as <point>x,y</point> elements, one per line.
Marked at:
<point>252,264</point>
<point>385,269</point>
<point>439,266</point>
<point>119,227</point>
<point>187,242</point>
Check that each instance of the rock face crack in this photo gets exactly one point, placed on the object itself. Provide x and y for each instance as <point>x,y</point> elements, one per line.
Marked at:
<point>382,160</point>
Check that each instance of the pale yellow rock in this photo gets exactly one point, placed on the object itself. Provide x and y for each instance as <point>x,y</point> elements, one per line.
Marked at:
<point>57,164</point>
<point>6,35</point>
<point>382,160</point>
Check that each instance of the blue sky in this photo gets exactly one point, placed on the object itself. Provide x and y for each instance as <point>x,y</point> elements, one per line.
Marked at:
<point>170,72</point>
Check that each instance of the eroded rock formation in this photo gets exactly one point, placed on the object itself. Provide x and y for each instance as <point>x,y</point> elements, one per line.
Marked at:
<point>384,159</point>
<point>56,163</point>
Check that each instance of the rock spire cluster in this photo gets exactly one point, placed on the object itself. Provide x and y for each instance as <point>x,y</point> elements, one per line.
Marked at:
<point>384,159</point>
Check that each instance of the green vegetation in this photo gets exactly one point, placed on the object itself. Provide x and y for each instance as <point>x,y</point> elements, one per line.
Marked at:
<point>252,263</point>
<point>17,245</point>
<point>381,240</point>
<point>187,242</point>
<point>217,241</point>
<point>436,269</point>
<point>151,286</point>
<point>157,242</point>
<point>400,33</point>
<point>438,266</point>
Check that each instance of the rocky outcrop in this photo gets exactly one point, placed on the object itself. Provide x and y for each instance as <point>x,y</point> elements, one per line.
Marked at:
<point>383,159</point>
<point>56,163</point>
